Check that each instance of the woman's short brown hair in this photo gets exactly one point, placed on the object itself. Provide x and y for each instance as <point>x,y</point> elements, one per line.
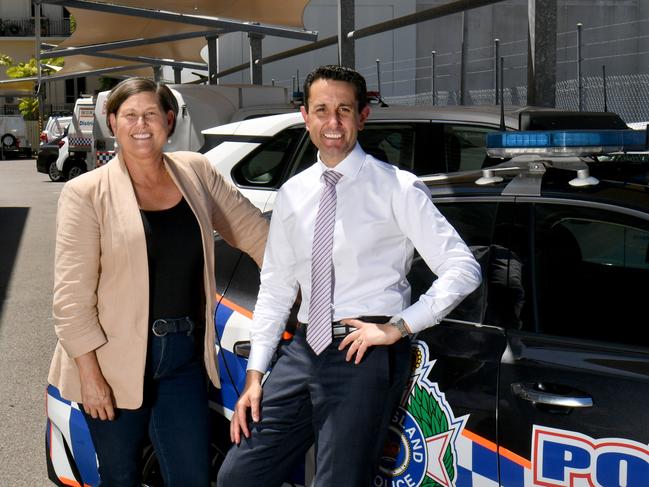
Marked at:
<point>132,86</point>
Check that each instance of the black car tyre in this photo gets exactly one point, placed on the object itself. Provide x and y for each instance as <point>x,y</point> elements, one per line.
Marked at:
<point>8,140</point>
<point>54,173</point>
<point>76,168</point>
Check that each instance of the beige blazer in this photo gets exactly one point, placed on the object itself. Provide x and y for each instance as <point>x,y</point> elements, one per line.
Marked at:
<point>101,278</point>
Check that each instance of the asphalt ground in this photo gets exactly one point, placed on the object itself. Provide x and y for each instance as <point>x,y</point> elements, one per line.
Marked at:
<point>27,222</point>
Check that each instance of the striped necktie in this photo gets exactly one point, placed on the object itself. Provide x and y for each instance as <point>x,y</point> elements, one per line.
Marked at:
<point>318,333</point>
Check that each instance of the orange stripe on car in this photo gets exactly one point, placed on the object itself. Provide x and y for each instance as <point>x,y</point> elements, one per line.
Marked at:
<point>233,306</point>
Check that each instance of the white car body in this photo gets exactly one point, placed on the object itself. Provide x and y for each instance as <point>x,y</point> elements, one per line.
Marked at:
<point>63,154</point>
<point>226,155</point>
<point>55,127</point>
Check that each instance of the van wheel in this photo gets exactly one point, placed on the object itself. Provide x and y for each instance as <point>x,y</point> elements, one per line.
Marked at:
<point>8,140</point>
<point>54,173</point>
<point>77,168</point>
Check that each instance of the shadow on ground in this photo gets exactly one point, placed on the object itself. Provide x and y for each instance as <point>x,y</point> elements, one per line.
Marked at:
<point>12,225</point>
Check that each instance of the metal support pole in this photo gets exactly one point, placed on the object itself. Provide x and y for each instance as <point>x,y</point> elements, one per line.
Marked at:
<point>580,100</point>
<point>255,54</point>
<point>39,73</point>
<point>432,77</point>
<point>378,76</point>
<point>604,86</point>
<point>496,74</point>
<point>346,24</point>
<point>212,60</point>
<point>178,78</point>
<point>463,58</point>
<point>157,73</point>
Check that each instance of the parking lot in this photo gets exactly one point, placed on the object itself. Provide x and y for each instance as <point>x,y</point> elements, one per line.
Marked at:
<point>27,215</point>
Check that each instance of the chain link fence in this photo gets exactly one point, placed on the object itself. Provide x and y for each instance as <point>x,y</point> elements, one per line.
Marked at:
<point>626,95</point>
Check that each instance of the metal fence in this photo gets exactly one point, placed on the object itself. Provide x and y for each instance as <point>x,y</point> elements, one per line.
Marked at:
<point>626,95</point>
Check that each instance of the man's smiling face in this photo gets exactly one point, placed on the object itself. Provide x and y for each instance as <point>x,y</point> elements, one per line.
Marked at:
<point>333,119</point>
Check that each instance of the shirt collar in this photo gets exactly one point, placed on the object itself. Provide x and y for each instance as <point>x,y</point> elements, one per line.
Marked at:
<point>350,166</point>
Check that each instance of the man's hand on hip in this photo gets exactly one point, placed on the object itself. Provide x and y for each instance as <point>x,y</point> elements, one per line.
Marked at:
<point>249,399</point>
<point>367,335</point>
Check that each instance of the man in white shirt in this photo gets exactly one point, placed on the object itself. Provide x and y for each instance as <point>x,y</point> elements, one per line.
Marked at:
<point>343,233</point>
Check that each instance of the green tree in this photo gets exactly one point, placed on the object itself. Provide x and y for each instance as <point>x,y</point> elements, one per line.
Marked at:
<point>28,106</point>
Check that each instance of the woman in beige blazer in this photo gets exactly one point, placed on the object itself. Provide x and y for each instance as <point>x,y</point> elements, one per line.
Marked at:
<point>134,291</point>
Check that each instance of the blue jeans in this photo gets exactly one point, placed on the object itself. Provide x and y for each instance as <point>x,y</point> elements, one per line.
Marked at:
<point>174,416</point>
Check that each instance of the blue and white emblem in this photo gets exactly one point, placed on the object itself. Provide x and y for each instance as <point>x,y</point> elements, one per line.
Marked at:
<point>420,449</point>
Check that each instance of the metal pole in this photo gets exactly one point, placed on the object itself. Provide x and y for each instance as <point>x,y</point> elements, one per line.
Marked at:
<point>378,75</point>
<point>496,76</point>
<point>39,74</point>
<point>464,55</point>
<point>580,87</point>
<point>432,77</point>
<point>212,60</point>
<point>604,85</point>
<point>178,78</point>
<point>272,82</point>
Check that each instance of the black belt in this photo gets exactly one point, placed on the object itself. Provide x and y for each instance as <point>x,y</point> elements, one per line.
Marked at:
<point>162,326</point>
<point>340,330</point>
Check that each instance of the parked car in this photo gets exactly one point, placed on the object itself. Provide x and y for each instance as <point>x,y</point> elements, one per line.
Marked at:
<point>14,143</point>
<point>259,155</point>
<point>539,377</point>
<point>49,156</point>
<point>54,128</point>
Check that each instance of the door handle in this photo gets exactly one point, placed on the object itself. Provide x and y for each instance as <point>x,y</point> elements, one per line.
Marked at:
<point>529,393</point>
<point>242,349</point>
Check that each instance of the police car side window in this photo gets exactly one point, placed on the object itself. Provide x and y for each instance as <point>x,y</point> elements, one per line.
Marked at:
<point>267,164</point>
<point>592,272</point>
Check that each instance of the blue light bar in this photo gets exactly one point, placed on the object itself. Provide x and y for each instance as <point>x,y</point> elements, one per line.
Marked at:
<point>565,142</point>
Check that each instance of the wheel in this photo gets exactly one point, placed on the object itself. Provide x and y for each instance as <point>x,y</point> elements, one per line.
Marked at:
<point>151,476</point>
<point>8,140</point>
<point>76,168</point>
<point>54,173</point>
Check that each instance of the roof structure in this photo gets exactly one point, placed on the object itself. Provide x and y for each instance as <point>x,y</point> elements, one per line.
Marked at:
<point>124,35</point>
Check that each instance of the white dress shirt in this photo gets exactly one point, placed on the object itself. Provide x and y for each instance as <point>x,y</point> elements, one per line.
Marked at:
<point>382,215</point>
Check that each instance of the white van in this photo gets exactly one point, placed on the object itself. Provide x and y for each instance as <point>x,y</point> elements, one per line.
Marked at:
<point>13,137</point>
<point>80,138</point>
<point>200,107</point>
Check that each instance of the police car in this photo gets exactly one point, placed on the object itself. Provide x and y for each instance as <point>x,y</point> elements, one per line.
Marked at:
<point>540,377</point>
<point>259,155</point>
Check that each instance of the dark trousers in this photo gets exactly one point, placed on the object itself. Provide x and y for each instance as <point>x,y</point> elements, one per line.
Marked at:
<point>174,416</point>
<point>344,408</point>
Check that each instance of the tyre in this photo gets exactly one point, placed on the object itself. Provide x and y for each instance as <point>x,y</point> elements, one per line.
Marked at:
<point>75,169</point>
<point>8,140</point>
<point>54,173</point>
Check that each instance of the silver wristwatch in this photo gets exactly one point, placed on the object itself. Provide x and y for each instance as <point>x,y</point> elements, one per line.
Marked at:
<point>401,326</point>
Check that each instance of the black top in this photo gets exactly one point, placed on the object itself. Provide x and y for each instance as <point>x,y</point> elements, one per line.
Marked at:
<point>175,255</point>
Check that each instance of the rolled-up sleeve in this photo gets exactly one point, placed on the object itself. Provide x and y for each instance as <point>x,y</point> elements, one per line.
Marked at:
<point>441,247</point>
<point>76,274</point>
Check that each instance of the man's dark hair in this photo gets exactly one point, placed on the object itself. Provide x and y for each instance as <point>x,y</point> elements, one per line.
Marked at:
<point>337,73</point>
<point>133,86</point>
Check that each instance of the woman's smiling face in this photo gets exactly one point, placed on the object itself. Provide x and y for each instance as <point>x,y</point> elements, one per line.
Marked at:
<point>141,127</point>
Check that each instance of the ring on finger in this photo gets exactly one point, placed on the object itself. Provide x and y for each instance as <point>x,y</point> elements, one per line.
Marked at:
<point>359,341</point>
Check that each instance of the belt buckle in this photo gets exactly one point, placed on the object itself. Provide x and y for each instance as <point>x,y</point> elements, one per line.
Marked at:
<point>160,327</point>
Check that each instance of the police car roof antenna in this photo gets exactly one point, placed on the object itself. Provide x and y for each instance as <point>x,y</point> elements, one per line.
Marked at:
<point>502,98</point>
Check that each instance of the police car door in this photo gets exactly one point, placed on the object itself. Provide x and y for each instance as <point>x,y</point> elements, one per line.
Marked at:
<point>445,432</point>
<point>574,382</point>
